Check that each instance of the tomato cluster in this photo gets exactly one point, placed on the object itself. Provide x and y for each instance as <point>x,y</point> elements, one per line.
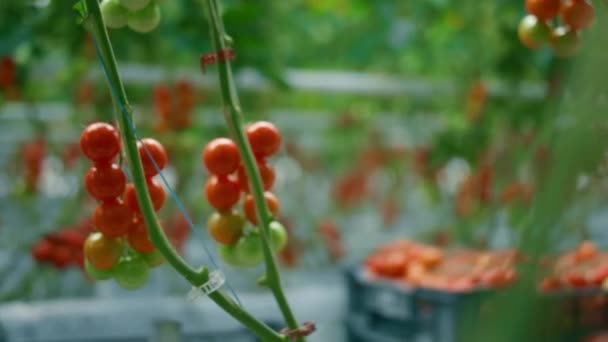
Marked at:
<point>537,29</point>
<point>174,110</point>
<point>121,247</point>
<point>224,189</point>
<point>64,247</point>
<point>139,15</point>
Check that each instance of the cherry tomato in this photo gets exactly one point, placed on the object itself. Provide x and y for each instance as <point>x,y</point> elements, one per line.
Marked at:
<point>138,237</point>
<point>248,250</point>
<point>131,273</point>
<point>114,14</point>
<point>226,228</point>
<point>266,173</point>
<point>598,275</point>
<point>105,181</point>
<point>71,238</point>
<point>549,284</point>
<point>100,142</point>
<point>543,9</point>
<point>42,251</point>
<point>585,251</point>
<point>158,153</point>
<point>534,33</point>
<point>155,190</point>
<point>264,138</point>
<point>134,5</point>
<point>102,252</point>
<point>278,236</point>
<point>575,279</point>
<point>221,157</point>
<point>112,218</point>
<point>577,14</point>
<point>222,193</point>
<point>249,206</point>
<point>97,274</point>
<point>565,42</point>
<point>146,19</point>
<point>61,256</point>
<point>228,254</point>
<point>154,258</point>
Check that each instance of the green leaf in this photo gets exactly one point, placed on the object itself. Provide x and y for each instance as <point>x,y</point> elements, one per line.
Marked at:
<point>81,8</point>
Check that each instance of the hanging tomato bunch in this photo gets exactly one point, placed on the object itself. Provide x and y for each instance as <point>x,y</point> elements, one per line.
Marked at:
<point>174,108</point>
<point>62,248</point>
<point>139,15</point>
<point>239,246</point>
<point>120,248</point>
<point>539,27</point>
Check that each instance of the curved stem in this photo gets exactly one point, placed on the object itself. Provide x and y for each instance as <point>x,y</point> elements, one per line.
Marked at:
<point>233,116</point>
<point>95,24</point>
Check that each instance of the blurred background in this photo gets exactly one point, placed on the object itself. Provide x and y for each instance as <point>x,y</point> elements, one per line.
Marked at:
<point>438,179</point>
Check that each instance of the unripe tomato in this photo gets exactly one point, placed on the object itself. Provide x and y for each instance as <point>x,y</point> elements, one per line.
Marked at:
<point>221,157</point>
<point>222,193</point>
<point>102,252</point>
<point>228,254</point>
<point>105,181</point>
<point>131,272</point>
<point>534,33</point>
<point>226,228</point>
<point>266,173</point>
<point>138,237</point>
<point>264,138</point>
<point>565,42</point>
<point>146,19</point>
<point>577,14</point>
<point>151,147</point>
<point>100,142</point>
<point>97,274</point>
<point>248,250</point>
<point>155,190</point>
<point>543,9</point>
<point>112,218</point>
<point>154,258</point>
<point>278,236</point>
<point>114,14</point>
<point>249,206</point>
<point>134,5</point>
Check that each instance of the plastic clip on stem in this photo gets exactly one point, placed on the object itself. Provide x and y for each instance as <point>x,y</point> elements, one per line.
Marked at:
<point>93,21</point>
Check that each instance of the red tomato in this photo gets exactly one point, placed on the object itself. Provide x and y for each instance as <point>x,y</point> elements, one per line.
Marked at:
<point>266,173</point>
<point>112,218</point>
<point>155,190</point>
<point>61,256</point>
<point>222,193</point>
<point>138,237</point>
<point>585,251</point>
<point>105,181</point>
<point>575,279</point>
<point>42,251</point>
<point>71,238</point>
<point>221,157</point>
<point>226,228</point>
<point>249,206</point>
<point>264,138</point>
<point>543,9</point>
<point>100,142</point>
<point>151,147</point>
<point>577,14</point>
<point>598,275</point>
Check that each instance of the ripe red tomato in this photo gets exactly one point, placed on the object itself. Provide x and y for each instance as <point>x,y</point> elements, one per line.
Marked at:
<point>222,193</point>
<point>61,256</point>
<point>598,275</point>
<point>543,9</point>
<point>221,157</point>
<point>264,138</point>
<point>266,173</point>
<point>102,252</point>
<point>105,181</point>
<point>534,33</point>
<point>226,228</point>
<point>100,142</point>
<point>577,14</point>
<point>565,42</point>
<point>249,206</point>
<point>138,237</point>
<point>156,151</point>
<point>155,190</point>
<point>42,251</point>
<point>131,272</point>
<point>575,279</point>
<point>112,218</point>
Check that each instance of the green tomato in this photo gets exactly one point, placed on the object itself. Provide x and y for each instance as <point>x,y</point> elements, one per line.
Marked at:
<point>228,254</point>
<point>153,259</point>
<point>114,14</point>
<point>97,274</point>
<point>134,5</point>
<point>145,20</point>
<point>533,33</point>
<point>565,42</point>
<point>131,272</point>
<point>278,236</point>
<point>248,250</point>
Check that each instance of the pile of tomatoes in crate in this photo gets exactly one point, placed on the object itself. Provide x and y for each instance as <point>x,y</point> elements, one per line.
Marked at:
<point>461,270</point>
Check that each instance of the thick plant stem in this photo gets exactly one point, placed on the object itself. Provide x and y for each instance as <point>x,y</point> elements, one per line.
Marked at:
<point>95,24</point>
<point>233,116</point>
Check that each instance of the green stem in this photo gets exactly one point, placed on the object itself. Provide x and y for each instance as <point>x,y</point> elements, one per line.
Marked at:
<point>95,24</point>
<point>233,116</point>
